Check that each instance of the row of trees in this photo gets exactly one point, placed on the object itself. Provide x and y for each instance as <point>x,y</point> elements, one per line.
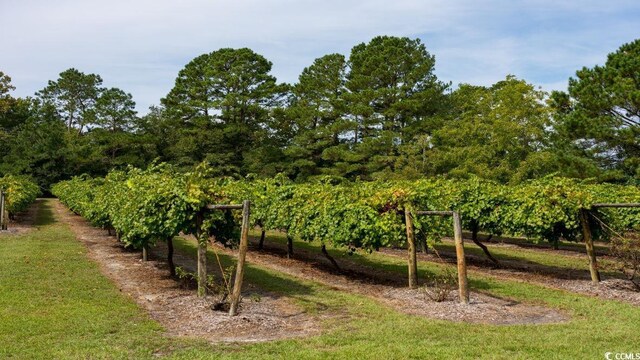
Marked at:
<point>381,113</point>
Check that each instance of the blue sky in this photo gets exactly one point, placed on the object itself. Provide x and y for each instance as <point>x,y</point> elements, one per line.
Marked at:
<point>140,45</point>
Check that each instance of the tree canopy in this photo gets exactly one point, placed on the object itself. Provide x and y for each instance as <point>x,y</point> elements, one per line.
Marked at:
<point>379,112</point>
<point>605,110</point>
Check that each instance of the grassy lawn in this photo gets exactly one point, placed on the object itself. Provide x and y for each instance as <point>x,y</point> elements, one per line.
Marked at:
<point>54,303</point>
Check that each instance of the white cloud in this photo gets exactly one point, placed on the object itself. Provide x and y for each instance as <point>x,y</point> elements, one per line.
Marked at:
<point>140,45</point>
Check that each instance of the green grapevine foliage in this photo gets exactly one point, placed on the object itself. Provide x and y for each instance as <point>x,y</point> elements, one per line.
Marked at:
<point>20,192</point>
<point>145,205</point>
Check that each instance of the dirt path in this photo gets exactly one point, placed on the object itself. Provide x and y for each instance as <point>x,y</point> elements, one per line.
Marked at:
<point>179,310</point>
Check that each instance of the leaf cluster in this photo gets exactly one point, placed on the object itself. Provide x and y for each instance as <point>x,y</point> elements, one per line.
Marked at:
<point>20,192</point>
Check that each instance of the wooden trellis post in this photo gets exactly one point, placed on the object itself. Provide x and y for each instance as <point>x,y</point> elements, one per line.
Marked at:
<point>411,249</point>
<point>3,218</point>
<point>463,287</point>
<point>242,251</point>
<point>588,238</point>
<point>202,257</point>
<point>588,242</point>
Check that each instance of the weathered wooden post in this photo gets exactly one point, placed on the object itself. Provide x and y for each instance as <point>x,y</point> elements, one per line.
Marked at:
<point>242,252</point>
<point>463,287</point>
<point>145,252</point>
<point>202,256</point>
<point>3,221</point>
<point>411,248</point>
<point>588,242</point>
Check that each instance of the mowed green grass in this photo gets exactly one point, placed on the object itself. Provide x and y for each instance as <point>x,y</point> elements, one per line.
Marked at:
<point>54,303</point>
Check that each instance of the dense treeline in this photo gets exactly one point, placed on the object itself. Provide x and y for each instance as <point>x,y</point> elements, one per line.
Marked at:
<point>380,113</point>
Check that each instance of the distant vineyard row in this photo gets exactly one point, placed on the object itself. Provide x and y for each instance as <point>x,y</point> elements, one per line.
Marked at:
<point>19,191</point>
<point>158,203</point>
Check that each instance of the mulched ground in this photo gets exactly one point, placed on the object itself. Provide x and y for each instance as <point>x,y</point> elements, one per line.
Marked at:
<point>391,290</point>
<point>179,310</point>
<point>578,281</point>
<point>24,221</point>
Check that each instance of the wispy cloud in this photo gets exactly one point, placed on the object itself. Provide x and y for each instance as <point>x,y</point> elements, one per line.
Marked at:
<point>141,45</point>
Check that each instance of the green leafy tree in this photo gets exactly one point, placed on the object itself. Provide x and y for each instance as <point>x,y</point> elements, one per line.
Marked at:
<point>38,147</point>
<point>605,116</point>
<point>115,110</point>
<point>73,96</point>
<point>571,158</point>
<point>394,96</point>
<point>13,111</point>
<point>116,141</point>
<point>5,87</point>
<point>219,105</point>
<point>318,116</point>
<point>495,133</point>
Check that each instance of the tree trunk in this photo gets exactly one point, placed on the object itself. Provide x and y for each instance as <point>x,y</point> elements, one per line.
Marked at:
<point>289,247</point>
<point>422,241</point>
<point>262,235</point>
<point>328,256</point>
<point>474,237</point>
<point>172,266</point>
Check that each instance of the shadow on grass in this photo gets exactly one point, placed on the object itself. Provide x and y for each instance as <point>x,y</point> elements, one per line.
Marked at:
<point>564,245</point>
<point>521,263</point>
<point>44,212</point>
<point>39,213</point>
<point>357,266</point>
<point>269,281</point>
